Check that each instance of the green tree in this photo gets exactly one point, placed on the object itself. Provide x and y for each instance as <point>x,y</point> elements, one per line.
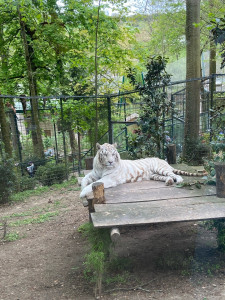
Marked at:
<point>210,11</point>
<point>219,36</point>
<point>162,28</point>
<point>31,68</point>
<point>149,139</point>
<point>46,42</point>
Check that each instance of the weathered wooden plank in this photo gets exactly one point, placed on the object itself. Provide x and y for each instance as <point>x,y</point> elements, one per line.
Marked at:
<point>146,184</point>
<point>127,193</point>
<point>145,213</point>
<point>160,203</point>
<point>141,185</point>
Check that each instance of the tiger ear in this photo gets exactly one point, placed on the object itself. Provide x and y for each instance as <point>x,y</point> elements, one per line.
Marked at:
<point>115,145</point>
<point>98,146</point>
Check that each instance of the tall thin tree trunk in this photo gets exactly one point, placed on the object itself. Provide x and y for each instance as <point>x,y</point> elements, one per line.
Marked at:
<point>15,134</point>
<point>11,114</point>
<point>212,56</point>
<point>4,54</point>
<point>96,77</point>
<point>193,59</point>
<point>36,130</point>
<point>73,142</point>
<point>5,130</point>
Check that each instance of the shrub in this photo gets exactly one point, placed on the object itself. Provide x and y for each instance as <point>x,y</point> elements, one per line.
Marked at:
<point>7,180</point>
<point>219,225</point>
<point>51,173</point>
<point>95,260</point>
<point>99,266</point>
<point>25,183</point>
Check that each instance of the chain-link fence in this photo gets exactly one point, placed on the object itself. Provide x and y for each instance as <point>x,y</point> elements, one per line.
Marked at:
<point>67,123</point>
<point>127,110</point>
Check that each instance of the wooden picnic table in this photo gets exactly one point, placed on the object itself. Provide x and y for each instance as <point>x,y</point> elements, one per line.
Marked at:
<point>150,202</point>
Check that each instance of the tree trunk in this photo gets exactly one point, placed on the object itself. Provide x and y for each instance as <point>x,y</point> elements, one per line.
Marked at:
<point>191,128</point>
<point>4,59</point>
<point>212,56</point>
<point>96,77</point>
<point>11,114</point>
<point>5,130</point>
<point>36,130</point>
<point>15,133</point>
<point>73,142</point>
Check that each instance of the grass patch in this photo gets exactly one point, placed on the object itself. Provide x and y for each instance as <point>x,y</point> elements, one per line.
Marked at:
<point>22,196</point>
<point>187,264</point>
<point>118,278</point>
<point>11,237</point>
<point>175,261</point>
<point>65,184</point>
<point>120,264</point>
<point>35,220</point>
<point>95,260</point>
<point>32,211</point>
<point>208,268</point>
<point>74,188</point>
<point>18,215</point>
<point>57,204</point>
<point>99,268</point>
<point>219,225</point>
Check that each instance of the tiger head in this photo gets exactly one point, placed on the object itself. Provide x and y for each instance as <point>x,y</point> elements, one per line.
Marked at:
<point>107,155</point>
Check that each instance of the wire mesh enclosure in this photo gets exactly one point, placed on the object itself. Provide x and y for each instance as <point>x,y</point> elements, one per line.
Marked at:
<point>67,122</point>
<point>126,111</point>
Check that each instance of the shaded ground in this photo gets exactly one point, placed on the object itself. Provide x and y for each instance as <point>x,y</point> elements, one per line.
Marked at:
<point>45,261</point>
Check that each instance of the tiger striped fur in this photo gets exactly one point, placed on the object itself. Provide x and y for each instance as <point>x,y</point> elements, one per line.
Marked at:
<point>112,171</point>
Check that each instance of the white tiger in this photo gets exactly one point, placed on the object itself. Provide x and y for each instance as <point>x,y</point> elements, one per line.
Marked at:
<point>112,171</point>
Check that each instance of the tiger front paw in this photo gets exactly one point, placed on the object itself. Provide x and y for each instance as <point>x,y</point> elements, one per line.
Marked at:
<point>169,181</point>
<point>179,179</point>
<point>86,191</point>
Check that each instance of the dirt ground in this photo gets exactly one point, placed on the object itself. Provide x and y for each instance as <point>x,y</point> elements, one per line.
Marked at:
<point>45,261</point>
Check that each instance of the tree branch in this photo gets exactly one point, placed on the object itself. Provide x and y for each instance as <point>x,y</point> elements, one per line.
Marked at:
<point>11,78</point>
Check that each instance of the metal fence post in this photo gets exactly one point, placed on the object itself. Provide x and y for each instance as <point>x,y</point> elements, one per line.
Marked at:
<point>64,139</point>
<point>126,137</point>
<point>212,89</point>
<point>110,128</point>
<point>79,154</point>
<point>18,143</point>
<point>172,118</point>
<point>125,109</point>
<point>56,145</point>
<point>163,124</point>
